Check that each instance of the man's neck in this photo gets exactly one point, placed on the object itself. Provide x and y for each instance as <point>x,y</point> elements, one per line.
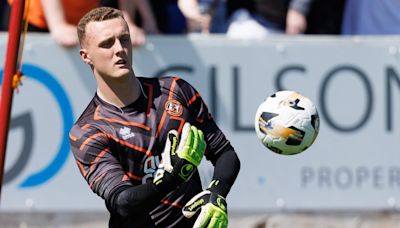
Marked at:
<point>119,93</point>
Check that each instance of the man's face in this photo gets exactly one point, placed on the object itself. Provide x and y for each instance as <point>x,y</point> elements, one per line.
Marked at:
<point>107,48</point>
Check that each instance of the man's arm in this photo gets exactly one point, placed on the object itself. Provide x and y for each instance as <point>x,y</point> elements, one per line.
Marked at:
<point>226,169</point>
<point>149,23</point>
<point>211,202</point>
<point>219,150</point>
<point>105,176</point>
<point>64,33</point>
<point>133,199</point>
<point>177,156</point>
<point>296,17</point>
<point>196,20</point>
<point>128,9</point>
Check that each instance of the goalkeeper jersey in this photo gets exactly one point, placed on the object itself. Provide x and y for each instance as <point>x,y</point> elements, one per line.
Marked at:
<point>115,148</point>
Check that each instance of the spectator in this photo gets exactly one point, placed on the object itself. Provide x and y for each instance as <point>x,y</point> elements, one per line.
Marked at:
<point>206,16</point>
<point>325,17</point>
<point>371,17</point>
<point>60,17</point>
<point>170,19</point>
<point>258,18</point>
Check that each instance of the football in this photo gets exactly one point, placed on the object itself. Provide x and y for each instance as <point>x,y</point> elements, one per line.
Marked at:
<point>287,122</point>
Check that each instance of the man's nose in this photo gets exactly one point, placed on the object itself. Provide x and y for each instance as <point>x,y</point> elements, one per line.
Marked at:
<point>118,46</point>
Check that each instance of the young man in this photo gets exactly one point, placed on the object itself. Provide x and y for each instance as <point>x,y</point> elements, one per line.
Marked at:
<point>139,141</point>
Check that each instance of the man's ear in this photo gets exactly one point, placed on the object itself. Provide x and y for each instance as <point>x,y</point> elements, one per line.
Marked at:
<point>85,56</point>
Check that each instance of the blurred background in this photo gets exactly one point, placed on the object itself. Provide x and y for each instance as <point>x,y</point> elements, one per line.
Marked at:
<point>343,55</point>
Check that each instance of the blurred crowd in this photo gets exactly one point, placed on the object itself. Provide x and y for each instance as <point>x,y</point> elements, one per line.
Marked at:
<point>235,18</point>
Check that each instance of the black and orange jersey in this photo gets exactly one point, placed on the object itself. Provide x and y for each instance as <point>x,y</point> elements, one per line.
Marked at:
<point>118,147</point>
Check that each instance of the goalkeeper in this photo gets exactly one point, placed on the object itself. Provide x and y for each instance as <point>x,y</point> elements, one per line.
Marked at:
<point>140,140</point>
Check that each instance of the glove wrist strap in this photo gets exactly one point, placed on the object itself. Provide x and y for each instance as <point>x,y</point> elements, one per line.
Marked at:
<point>219,187</point>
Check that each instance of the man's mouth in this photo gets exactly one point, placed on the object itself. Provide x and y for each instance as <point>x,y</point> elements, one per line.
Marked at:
<point>121,62</point>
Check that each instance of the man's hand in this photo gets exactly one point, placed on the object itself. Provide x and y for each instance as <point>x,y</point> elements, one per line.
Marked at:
<point>179,161</point>
<point>65,35</point>
<point>138,37</point>
<point>201,23</point>
<point>296,23</point>
<point>212,207</point>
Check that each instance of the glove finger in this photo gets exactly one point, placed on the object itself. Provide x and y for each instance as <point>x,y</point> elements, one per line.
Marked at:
<point>222,220</point>
<point>203,219</point>
<point>184,136</point>
<point>190,138</point>
<point>195,140</point>
<point>195,204</point>
<point>159,175</point>
<point>223,224</point>
<point>218,220</point>
<point>170,147</point>
<point>214,223</point>
<point>197,150</point>
<point>202,143</point>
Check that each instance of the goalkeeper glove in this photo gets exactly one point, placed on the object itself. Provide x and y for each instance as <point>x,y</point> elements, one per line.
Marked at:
<point>212,207</point>
<point>179,162</point>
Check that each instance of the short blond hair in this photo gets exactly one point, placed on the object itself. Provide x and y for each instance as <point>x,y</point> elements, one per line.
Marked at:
<point>97,14</point>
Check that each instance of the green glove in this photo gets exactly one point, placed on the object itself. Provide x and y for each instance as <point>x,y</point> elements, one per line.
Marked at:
<point>212,207</point>
<point>178,163</point>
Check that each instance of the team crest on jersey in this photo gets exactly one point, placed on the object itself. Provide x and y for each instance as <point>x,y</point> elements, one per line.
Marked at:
<point>174,108</point>
<point>126,133</point>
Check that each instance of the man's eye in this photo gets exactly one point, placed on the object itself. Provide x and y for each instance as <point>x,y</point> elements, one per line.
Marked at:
<point>106,44</point>
<point>125,39</point>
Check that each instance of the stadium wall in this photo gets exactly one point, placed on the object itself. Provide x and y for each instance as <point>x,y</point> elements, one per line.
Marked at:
<point>354,82</point>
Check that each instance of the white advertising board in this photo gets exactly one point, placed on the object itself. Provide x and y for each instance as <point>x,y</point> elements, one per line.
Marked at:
<point>355,84</point>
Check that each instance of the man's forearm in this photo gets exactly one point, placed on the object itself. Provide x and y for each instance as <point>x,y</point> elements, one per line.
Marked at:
<point>54,13</point>
<point>134,199</point>
<point>226,170</point>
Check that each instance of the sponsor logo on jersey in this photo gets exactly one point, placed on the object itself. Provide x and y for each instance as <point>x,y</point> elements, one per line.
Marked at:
<point>126,133</point>
<point>174,108</point>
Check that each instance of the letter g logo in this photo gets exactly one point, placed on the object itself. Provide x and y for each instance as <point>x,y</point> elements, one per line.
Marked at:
<point>54,87</point>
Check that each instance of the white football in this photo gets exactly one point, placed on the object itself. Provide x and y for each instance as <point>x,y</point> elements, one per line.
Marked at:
<point>287,122</point>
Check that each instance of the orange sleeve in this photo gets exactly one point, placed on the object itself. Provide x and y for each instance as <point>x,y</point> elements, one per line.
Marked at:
<point>73,11</point>
<point>35,15</point>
